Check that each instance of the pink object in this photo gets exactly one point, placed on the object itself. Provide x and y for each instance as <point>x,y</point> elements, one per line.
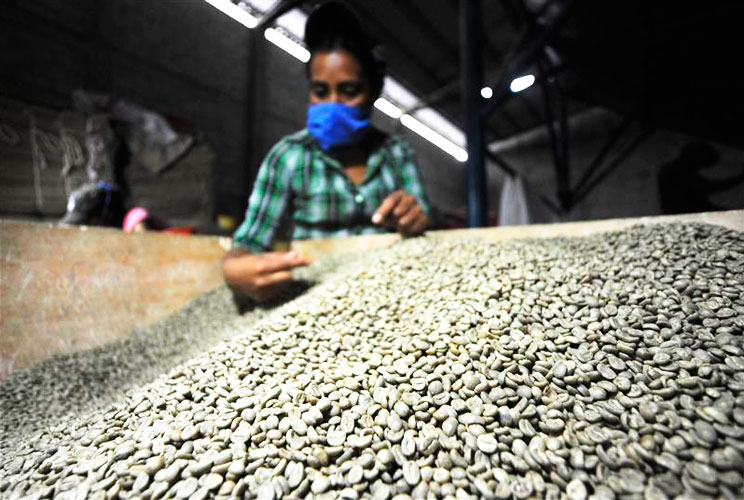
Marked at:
<point>134,217</point>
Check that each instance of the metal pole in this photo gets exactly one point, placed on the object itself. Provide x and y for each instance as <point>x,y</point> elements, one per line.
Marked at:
<point>564,184</point>
<point>556,143</point>
<point>606,148</point>
<point>471,72</point>
<point>622,156</point>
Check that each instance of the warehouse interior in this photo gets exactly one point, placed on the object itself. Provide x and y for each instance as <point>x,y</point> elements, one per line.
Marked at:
<point>628,86</point>
<point>563,318</point>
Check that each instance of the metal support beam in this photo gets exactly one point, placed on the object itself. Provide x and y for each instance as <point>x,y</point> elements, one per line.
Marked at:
<point>416,17</point>
<point>564,186</point>
<point>500,162</point>
<point>520,59</point>
<point>442,94</point>
<point>602,154</point>
<point>513,13</point>
<point>625,153</point>
<point>505,95</point>
<point>472,76</point>
<point>558,142</point>
<point>499,85</point>
<point>528,105</point>
<point>256,58</point>
<point>383,31</point>
<point>449,91</point>
<point>511,171</point>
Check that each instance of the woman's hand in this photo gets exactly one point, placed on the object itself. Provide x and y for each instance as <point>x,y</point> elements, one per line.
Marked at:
<point>260,276</point>
<point>402,212</point>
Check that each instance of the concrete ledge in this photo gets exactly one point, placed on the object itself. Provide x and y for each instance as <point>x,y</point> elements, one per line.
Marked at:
<point>68,289</point>
<point>733,219</point>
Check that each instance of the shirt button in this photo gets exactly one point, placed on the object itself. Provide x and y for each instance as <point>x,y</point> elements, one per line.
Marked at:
<point>359,198</point>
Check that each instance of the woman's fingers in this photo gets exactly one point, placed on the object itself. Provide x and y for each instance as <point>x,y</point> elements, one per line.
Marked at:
<point>419,226</point>
<point>386,207</point>
<point>402,212</point>
<point>279,261</point>
<point>415,226</point>
<point>261,276</point>
<point>405,215</point>
<point>267,280</point>
<point>244,267</point>
<point>409,217</point>
<point>404,206</point>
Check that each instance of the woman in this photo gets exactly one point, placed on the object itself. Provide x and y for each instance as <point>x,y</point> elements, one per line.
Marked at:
<point>339,177</point>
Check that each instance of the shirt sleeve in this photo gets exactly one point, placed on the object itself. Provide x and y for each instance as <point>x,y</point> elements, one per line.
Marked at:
<point>269,201</point>
<point>410,175</point>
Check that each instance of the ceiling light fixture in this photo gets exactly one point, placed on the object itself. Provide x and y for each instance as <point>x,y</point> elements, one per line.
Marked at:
<point>287,44</point>
<point>393,89</point>
<point>435,138</point>
<point>421,129</point>
<point>521,83</point>
<point>487,92</point>
<point>238,13</point>
<point>388,108</point>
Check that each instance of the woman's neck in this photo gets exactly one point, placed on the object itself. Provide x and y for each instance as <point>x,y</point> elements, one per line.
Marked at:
<point>357,155</point>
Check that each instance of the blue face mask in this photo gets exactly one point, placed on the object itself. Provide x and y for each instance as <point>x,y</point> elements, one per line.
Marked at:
<point>337,125</point>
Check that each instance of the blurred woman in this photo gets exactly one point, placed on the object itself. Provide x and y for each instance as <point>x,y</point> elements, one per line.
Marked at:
<point>338,177</point>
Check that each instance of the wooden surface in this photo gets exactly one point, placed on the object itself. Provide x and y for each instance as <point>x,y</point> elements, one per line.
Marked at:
<point>68,289</point>
<point>733,219</point>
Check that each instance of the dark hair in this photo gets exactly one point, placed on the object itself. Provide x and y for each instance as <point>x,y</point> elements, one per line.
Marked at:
<point>332,26</point>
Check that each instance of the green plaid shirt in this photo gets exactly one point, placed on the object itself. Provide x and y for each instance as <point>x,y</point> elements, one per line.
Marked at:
<point>303,192</point>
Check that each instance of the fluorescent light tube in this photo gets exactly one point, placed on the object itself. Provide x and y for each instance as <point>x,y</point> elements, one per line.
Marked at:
<point>287,44</point>
<point>239,14</point>
<point>293,22</point>
<point>521,83</point>
<point>438,140</point>
<point>434,120</point>
<point>388,108</point>
<point>398,93</point>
